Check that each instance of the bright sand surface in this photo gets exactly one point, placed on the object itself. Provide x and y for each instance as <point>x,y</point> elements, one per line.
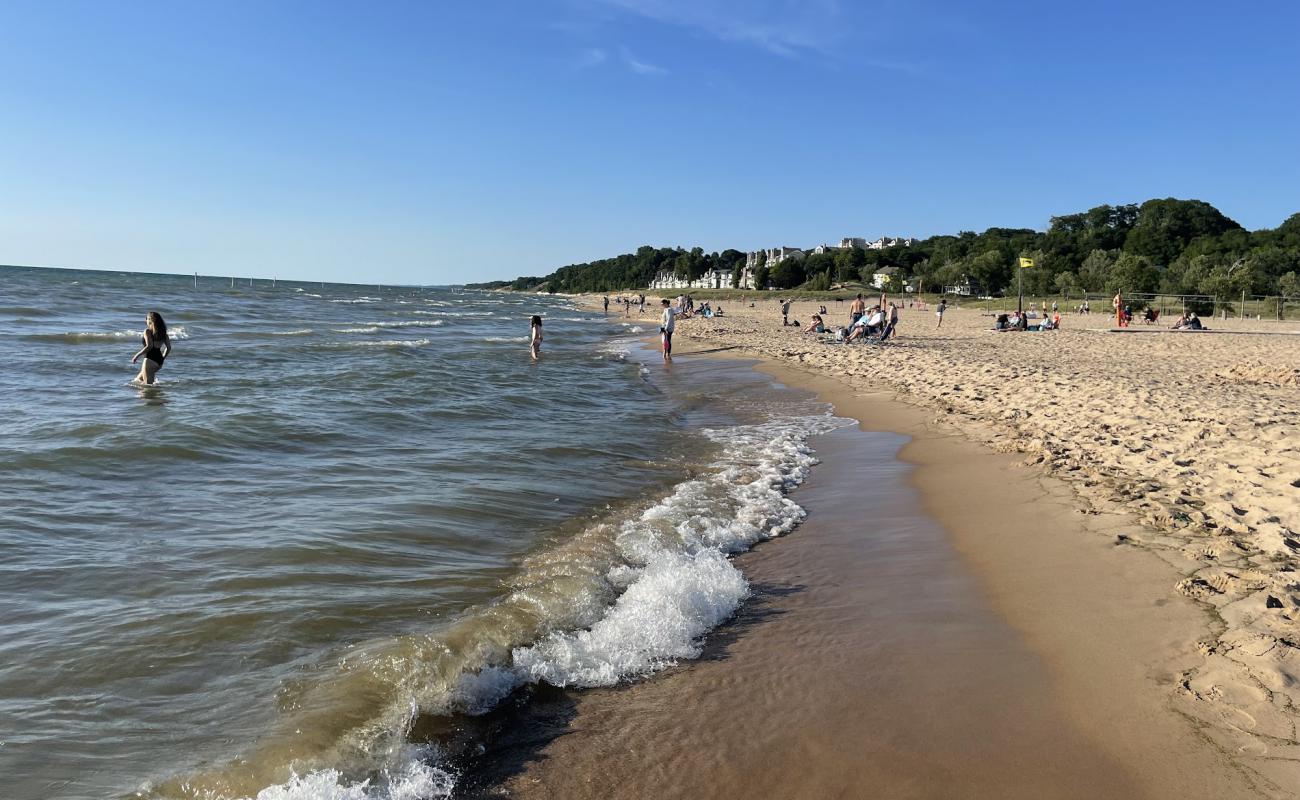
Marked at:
<point>1125,502</point>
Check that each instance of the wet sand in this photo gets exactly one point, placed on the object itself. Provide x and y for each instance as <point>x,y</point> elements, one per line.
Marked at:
<point>880,657</point>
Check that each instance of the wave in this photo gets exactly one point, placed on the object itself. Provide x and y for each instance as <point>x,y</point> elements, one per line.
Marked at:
<point>359,300</point>
<point>367,329</point>
<point>409,323</point>
<point>26,311</point>
<point>455,313</point>
<point>386,343</point>
<point>302,332</point>
<point>626,596</point>
<point>177,332</point>
<point>505,338</point>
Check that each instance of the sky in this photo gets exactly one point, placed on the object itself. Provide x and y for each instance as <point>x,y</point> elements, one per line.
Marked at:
<point>448,142</point>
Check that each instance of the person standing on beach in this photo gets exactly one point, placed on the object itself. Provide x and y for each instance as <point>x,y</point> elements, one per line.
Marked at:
<point>938,311</point>
<point>667,324</point>
<point>156,345</point>
<point>535,337</point>
<point>785,313</point>
<point>606,304</point>
<point>642,301</point>
<point>856,309</point>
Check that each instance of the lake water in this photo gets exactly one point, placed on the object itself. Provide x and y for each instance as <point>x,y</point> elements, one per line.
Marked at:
<point>347,519</point>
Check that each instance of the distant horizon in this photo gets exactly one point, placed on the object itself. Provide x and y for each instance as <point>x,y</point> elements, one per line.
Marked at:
<point>457,143</point>
<point>545,270</point>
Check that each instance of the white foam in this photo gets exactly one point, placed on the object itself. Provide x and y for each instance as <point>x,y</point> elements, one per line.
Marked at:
<point>368,329</point>
<point>659,620</point>
<point>302,332</point>
<point>673,561</point>
<point>412,780</point>
<point>505,338</point>
<point>359,300</point>
<point>454,313</point>
<point>410,323</point>
<point>389,343</point>
<point>175,332</point>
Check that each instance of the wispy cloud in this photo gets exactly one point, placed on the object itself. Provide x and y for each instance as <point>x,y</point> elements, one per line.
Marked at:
<point>638,66</point>
<point>783,27</point>
<point>591,57</point>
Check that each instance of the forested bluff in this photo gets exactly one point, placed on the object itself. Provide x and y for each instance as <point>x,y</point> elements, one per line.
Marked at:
<point>1169,246</point>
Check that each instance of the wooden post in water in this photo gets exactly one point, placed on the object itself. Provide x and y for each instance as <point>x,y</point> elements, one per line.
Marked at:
<point>196,280</point>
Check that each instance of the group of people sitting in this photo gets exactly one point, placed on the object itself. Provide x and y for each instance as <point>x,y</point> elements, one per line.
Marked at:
<point>876,324</point>
<point>1189,322</point>
<point>1020,321</point>
<point>685,308</point>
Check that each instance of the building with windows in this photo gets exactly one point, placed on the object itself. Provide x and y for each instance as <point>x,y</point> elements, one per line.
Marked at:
<point>774,255</point>
<point>712,279</point>
<point>882,276</point>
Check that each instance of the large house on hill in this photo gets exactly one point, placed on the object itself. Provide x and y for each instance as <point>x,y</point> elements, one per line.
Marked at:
<point>712,279</point>
<point>774,255</point>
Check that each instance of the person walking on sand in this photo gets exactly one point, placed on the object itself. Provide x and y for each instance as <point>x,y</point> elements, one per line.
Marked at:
<point>156,345</point>
<point>785,313</point>
<point>938,311</point>
<point>667,324</point>
<point>535,337</point>
<point>606,304</point>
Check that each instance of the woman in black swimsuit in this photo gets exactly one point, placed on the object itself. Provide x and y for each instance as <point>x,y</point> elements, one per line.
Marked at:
<point>156,346</point>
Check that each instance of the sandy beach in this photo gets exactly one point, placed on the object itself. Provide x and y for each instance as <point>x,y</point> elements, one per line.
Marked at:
<point>1127,503</point>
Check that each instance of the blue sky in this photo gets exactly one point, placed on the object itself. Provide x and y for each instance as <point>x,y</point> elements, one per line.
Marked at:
<point>438,142</point>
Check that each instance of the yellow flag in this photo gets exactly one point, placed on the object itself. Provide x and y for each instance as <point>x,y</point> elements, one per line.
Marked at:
<point>1026,263</point>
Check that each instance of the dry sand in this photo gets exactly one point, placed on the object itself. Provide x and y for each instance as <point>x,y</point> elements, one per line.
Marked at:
<point>1183,445</point>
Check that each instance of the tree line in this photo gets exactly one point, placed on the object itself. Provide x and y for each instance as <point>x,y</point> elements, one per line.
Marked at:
<point>1170,246</point>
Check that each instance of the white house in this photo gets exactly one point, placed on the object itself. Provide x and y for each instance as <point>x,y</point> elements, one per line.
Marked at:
<point>965,286</point>
<point>775,255</point>
<point>882,276</point>
<point>716,278</point>
<point>885,241</point>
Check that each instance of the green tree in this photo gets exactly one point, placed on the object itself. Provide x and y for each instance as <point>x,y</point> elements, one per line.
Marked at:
<point>1133,274</point>
<point>761,275</point>
<point>1066,283</point>
<point>992,269</point>
<point>787,273</point>
<point>1289,285</point>
<point>1164,228</point>
<point>1095,270</point>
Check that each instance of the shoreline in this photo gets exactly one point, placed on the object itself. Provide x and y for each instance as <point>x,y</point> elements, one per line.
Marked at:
<point>1135,657</point>
<point>865,663</point>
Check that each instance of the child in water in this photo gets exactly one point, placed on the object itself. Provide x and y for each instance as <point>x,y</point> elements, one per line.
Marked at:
<point>536,337</point>
<point>156,345</point>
